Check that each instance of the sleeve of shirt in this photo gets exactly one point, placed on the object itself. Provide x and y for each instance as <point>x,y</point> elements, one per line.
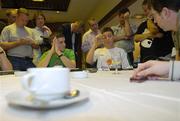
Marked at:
<point>174,72</point>
<point>84,46</point>
<point>43,55</point>
<point>48,32</point>
<point>5,34</point>
<point>71,55</point>
<point>125,62</point>
<point>33,35</point>
<point>114,28</point>
<point>95,57</point>
<point>36,36</point>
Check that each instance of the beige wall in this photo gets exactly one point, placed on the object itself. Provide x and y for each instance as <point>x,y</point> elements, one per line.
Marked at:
<point>103,8</point>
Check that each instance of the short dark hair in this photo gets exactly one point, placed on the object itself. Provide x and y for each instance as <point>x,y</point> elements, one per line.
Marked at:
<point>107,29</point>
<point>57,35</point>
<point>11,11</point>
<point>23,10</point>
<point>80,23</point>
<point>123,11</point>
<point>39,13</point>
<point>91,19</point>
<point>158,5</point>
<point>146,2</point>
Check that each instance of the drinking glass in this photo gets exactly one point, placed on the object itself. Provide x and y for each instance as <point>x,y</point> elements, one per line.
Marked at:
<point>116,63</point>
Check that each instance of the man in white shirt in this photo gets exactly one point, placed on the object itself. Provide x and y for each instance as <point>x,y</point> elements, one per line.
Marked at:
<point>123,33</point>
<point>108,54</point>
<point>89,36</point>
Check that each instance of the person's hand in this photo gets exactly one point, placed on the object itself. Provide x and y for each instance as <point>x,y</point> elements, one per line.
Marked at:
<point>53,46</point>
<point>158,35</point>
<point>127,37</point>
<point>24,41</point>
<point>126,15</point>
<point>151,70</point>
<point>98,42</point>
<point>57,49</point>
<point>119,38</point>
<point>1,50</point>
<point>34,45</point>
<point>31,42</point>
<point>45,28</point>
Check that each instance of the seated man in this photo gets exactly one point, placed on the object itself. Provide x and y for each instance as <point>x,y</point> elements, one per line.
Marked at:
<point>58,54</point>
<point>108,56</point>
<point>4,62</point>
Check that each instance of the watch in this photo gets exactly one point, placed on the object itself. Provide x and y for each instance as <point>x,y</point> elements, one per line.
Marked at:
<point>60,55</point>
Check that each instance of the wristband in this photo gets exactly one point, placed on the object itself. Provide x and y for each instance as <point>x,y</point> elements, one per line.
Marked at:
<point>60,55</point>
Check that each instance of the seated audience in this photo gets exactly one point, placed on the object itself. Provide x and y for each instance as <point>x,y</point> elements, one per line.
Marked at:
<point>58,54</point>
<point>4,62</point>
<point>108,54</point>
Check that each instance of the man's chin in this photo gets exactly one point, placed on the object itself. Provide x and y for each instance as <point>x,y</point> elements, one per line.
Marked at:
<point>166,30</point>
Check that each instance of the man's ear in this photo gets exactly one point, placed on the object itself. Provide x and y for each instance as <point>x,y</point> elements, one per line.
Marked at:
<point>166,13</point>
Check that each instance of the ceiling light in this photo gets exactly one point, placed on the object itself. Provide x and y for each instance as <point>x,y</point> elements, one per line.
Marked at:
<point>38,0</point>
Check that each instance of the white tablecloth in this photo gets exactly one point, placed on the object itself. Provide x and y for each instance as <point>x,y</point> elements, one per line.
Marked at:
<point>112,98</point>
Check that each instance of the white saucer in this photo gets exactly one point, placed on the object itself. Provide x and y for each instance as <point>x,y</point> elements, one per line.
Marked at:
<point>20,73</point>
<point>22,98</point>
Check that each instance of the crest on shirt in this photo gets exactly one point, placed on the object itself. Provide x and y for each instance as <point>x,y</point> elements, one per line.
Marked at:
<point>147,43</point>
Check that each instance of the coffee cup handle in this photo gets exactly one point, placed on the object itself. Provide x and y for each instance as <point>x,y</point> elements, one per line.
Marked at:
<point>26,81</point>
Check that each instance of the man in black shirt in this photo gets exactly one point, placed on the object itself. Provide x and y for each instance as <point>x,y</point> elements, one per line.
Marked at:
<point>72,35</point>
<point>154,42</point>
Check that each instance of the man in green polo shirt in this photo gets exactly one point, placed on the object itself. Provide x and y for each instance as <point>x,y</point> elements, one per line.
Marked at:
<point>58,54</point>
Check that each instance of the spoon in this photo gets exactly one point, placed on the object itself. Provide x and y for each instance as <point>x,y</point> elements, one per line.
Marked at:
<point>43,102</point>
<point>71,94</point>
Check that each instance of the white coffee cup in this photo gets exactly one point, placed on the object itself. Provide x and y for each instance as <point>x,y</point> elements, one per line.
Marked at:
<point>46,81</point>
